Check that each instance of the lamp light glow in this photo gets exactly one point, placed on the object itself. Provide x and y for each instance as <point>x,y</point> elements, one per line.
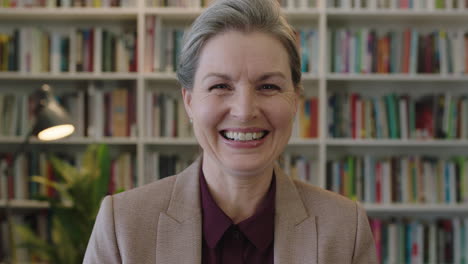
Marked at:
<point>56,132</point>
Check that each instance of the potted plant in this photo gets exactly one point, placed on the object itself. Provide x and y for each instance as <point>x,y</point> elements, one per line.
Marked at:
<point>73,209</point>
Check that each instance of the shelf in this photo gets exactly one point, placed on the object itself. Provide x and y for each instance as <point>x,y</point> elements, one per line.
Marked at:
<point>398,15</point>
<point>75,13</point>
<point>189,14</point>
<point>298,14</point>
<point>433,209</point>
<point>303,142</point>
<point>397,143</point>
<point>310,77</point>
<point>160,76</point>
<point>25,204</point>
<point>397,77</point>
<point>72,141</point>
<point>67,76</point>
<point>171,141</point>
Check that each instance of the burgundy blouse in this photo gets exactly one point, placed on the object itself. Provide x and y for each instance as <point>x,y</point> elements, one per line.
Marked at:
<point>248,242</point>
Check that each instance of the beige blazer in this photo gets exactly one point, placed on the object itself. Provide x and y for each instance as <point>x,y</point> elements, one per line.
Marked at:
<point>161,223</point>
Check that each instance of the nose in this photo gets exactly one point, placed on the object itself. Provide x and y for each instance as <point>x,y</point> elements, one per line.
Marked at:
<point>244,104</point>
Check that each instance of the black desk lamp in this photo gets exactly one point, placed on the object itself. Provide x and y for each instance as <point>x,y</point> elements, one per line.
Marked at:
<point>52,123</point>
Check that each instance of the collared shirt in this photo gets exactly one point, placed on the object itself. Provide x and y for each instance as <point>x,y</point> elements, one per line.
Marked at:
<point>248,242</point>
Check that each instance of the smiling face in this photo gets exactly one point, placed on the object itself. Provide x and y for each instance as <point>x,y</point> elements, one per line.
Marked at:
<point>243,102</point>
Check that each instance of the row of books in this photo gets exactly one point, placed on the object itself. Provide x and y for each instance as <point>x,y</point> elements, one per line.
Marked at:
<point>160,165</point>
<point>307,118</point>
<point>39,222</point>
<point>205,3</point>
<point>109,112</point>
<point>123,174</point>
<point>34,50</point>
<point>15,114</point>
<point>299,167</point>
<point>165,115</point>
<point>64,3</point>
<point>96,112</point>
<point>26,165</point>
<point>392,116</point>
<point>162,45</point>
<point>410,51</point>
<point>419,241</point>
<point>402,179</point>
<point>399,4</point>
<point>308,44</point>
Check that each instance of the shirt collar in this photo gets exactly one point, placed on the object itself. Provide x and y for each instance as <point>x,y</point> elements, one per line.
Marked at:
<point>259,228</point>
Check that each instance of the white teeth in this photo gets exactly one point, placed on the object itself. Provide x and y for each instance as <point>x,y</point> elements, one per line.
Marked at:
<point>239,136</point>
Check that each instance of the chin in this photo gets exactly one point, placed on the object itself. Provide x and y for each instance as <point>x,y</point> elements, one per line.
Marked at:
<point>247,167</point>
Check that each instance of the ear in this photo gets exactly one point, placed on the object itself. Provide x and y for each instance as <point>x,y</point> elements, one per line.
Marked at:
<point>187,97</point>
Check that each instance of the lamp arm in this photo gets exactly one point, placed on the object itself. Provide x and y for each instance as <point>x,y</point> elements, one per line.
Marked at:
<point>11,257</point>
<point>22,147</point>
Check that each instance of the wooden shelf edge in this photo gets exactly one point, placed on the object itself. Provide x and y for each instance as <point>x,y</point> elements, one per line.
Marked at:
<point>25,204</point>
<point>397,142</point>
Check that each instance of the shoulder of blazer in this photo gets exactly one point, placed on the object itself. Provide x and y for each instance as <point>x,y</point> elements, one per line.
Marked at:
<point>324,203</point>
<point>152,196</point>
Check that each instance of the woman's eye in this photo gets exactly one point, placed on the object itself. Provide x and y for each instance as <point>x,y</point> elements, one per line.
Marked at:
<point>218,86</point>
<point>270,87</point>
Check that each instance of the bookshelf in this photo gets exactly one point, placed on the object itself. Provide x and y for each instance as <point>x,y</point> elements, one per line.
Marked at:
<point>322,18</point>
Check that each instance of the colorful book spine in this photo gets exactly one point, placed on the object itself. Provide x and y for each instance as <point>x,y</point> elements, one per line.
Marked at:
<point>420,240</point>
<point>427,116</point>
<point>411,179</point>
<point>411,51</point>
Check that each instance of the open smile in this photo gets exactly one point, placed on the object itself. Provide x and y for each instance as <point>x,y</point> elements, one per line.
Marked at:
<point>243,136</point>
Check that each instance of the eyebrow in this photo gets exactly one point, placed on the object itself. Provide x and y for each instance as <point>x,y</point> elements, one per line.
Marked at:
<point>263,77</point>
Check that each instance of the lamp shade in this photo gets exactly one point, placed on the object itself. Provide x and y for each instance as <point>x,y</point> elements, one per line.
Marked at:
<point>52,121</point>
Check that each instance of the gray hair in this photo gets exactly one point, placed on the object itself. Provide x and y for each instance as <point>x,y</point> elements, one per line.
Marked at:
<point>242,15</point>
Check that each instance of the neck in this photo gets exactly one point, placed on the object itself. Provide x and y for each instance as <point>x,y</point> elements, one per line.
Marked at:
<point>237,195</point>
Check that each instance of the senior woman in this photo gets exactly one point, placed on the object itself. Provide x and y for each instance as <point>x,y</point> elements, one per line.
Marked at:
<point>240,76</point>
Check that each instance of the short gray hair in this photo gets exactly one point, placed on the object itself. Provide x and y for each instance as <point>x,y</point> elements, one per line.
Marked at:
<point>242,15</point>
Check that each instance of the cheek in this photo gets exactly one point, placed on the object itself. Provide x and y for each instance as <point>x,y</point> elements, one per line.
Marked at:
<point>207,111</point>
<point>282,113</point>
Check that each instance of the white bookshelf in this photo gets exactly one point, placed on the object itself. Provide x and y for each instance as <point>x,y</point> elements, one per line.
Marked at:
<point>398,143</point>
<point>81,76</point>
<point>25,204</point>
<point>62,13</point>
<point>74,141</point>
<point>318,84</point>
<point>390,77</point>
<point>414,15</point>
<point>416,209</point>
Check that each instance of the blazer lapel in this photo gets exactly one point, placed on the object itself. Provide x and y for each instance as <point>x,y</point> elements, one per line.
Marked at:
<point>295,230</point>
<point>179,229</point>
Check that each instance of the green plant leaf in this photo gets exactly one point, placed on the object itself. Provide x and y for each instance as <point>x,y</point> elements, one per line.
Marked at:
<point>64,170</point>
<point>31,241</point>
<point>102,183</point>
<point>72,223</point>
<point>60,187</point>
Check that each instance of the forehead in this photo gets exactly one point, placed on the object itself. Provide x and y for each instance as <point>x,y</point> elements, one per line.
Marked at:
<point>233,52</point>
